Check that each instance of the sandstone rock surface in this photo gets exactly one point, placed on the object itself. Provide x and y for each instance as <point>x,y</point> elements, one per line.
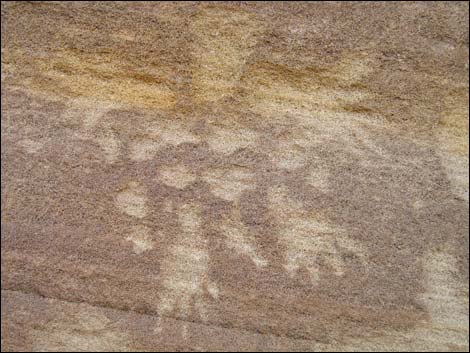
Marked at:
<point>234,176</point>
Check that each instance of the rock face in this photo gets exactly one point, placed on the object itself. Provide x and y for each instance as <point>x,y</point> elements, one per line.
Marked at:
<point>234,176</point>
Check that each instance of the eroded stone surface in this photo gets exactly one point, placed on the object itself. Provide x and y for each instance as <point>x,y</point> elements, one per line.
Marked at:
<point>221,176</point>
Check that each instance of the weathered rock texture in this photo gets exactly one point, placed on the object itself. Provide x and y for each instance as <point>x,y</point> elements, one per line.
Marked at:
<point>234,176</point>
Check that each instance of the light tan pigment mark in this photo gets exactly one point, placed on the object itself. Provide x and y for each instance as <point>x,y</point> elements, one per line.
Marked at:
<point>318,177</point>
<point>228,140</point>
<point>110,146</point>
<point>225,37</point>
<point>87,111</point>
<point>144,149</point>
<point>229,184</point>
<point>239,239</point>
<point>30,146</point>
<point>158,135</point>
<point>355,131</point>
<point>309,238</point>
<point>289,154</point>
<point>132,200</point>
<point>141,239</point>
<point>184,271</point>
<point>176,176</point>
<point>172,132</point>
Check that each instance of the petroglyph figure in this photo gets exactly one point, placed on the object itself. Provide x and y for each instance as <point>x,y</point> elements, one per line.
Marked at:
<point>238,238</point>
<point>140,237</point>
<point>229,184</point>
<point>132,200</point>
<point>206,138</point>
<point>176,176</point>
<point>184,271</point>
<point>228,140</point>
<point>158,135</point>
<point>220,66</point>
<point>308,238</point>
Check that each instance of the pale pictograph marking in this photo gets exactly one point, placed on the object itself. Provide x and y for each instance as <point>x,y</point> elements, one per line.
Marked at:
<point>229,184</point>
<point>184,270</point>
<point>176,176</point>
<point>239,239</point>
<point>110,146</point>
<point>228,140</point>
<point>308,238</point>
<point>132,200</point>
<point>31,146</point>
<point>140,237</point>
<point>159,135</point>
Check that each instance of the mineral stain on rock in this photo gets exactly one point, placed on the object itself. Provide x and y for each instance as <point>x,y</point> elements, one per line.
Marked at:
<point>234,176</point>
